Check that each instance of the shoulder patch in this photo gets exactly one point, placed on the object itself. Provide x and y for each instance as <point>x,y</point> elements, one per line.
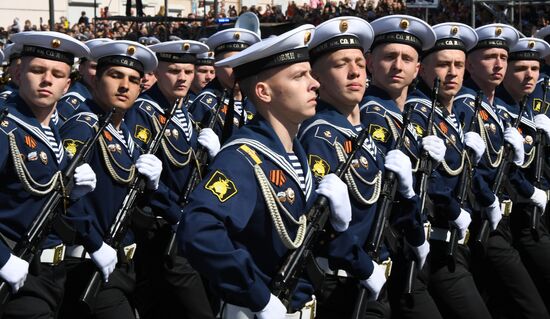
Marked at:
<point>538,107</point>
<point>326,134</point>
<point>87,118</point>
<point>142,133</point>
<point>209,100</point>
<point>147,108</point>
<point>221,186</point>
<point>250,154</point>
<point>318,165</point>
<point>72,146</point>
<point>379,133</point>
<point>73,102</point>
<point>419,129</point>
<point>7,126</point>
<point>376,109</point>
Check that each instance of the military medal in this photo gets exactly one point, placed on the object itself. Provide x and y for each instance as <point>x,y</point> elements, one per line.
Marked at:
<point>529,139</point>
<point>363,160</point>
<point>32,156</point>
<point>355,163</point>
<point>43,157</point>
<point>290,196</point>
<point>175,133</point>
<point>281,196</point>
<point>111,148</point>
<point>167,133</point>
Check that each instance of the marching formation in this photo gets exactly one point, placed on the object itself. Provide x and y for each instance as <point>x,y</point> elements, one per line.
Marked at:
<point>390,169</point>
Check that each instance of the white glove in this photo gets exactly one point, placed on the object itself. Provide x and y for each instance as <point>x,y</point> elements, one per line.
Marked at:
<point>400,164</point>
<point>273,310</point>
<point>435,147</point>
<point>512,136</point>
<point>539,199</point>
<point>84,181</point>
<point>151,167</point>
<point>462,222</point>
<point>105,259</point>
<point>336,191</point>
<point>421,252</point>
<point>542,122</point>
<point>210,140</point>
<point>14,272</point>
<point>493,213</point>
<point>475,142</point>
<point>375,282</point>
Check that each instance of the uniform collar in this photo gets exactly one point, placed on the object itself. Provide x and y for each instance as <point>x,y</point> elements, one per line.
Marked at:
<point>383,98</point>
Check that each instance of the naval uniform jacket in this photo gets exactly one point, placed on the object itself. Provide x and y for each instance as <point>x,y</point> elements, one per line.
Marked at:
<point>444,182</point>
<point>112,159</point>
<point>327,139</point>
<point>146,118</point>
<point>227,231</point>
<point>24,142</point>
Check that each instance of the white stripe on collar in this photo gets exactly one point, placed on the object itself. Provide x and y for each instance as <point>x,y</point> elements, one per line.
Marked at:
<point>33,129</point>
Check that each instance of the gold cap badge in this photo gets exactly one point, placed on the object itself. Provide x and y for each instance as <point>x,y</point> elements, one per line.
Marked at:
<point>343,26</point>
<point>131,50</point>
<point>56,43</point>
<point>404,24</point>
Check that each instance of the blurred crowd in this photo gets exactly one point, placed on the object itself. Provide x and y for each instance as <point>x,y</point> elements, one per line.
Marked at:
<point>527,18</point>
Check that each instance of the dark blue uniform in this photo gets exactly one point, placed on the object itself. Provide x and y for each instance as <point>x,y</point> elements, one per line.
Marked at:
<point>454,292</point>
<point>227,232</point>
<point>39,166</point>
<point>384,120</point>
<point>112,159</point>
<point>205,103</point>
<point>71,103</point>
<point>511,290</point>
<point>176,291</point>
<point>530,248</point>
<point>10,89</point>
<point>327,139</point>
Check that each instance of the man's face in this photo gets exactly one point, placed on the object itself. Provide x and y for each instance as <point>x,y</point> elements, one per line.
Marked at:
<point>45,81</point>
<point>521,77</point>
<point>291,90</point>
<point>393,66</point>
<point>87,70</point>
<point>225,74</point>
<point>117,87</point>
<point>148,80</point>
<point>342,75</point>
<point>174,79</point>
<point>487,67</point>
<point>203,75</point>
<point>449,66</point>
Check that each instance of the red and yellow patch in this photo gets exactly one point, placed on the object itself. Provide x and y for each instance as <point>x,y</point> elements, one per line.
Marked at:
<point>443,127</point>
<point>277,177</point>
<point>348,146</point>
<point>30,141</point>
<point>108,136</point>
<point>162,119</point>
<point>484,115</point>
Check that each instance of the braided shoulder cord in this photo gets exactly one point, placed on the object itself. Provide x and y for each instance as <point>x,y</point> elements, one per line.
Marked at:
<point>530,157</point>
<point>274,207</point>
<point>487,141</point>
<point>352,186</point>
<point>108,157</point>
<point>171,158</point>
<point>25,177</point>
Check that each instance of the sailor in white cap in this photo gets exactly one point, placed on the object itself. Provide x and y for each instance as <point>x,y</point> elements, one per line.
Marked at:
<point>454,289</point>
<point>204,73</point>
<point>338,63</point>
<point>487,65</point>
<point>225,232</point>
<point>524,65</point>
<point>12,55</point>
<point>32,164</point>
<point>224,44</point>
<point>393,63</point>
<point>120,66</point>
<point>80,90</point>
<point>537,97</point>
<point>178,289</point>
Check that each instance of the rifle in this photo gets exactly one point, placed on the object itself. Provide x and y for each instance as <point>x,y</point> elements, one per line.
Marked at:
<point>122,219</point>
<point>201,156</point>
<point>383,210</point>
<point>465,180</point>
<point>539,160</point>
<point>507,157</point>
<point>286,278</point>
<point>425,169</point>
<point>29,244</point>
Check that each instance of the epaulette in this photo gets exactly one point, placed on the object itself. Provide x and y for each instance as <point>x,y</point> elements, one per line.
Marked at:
<point>249,154</point>
<point>5,95</point>
<point>7,126</point>
<point>88,118</point>
<point>147,108</point>
<point>422,109</point>
<point>327,134</point>
<point>374,108</point>
<point>72,101</point>
<point>208,100</point>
